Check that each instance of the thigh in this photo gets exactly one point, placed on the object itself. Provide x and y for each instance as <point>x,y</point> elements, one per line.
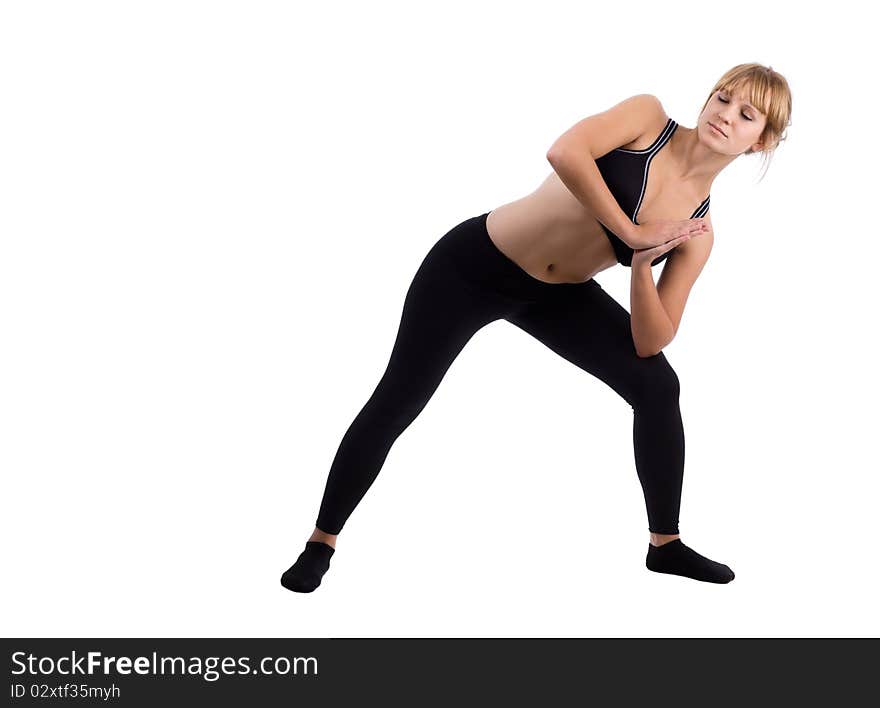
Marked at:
<point>440,315</point>
<point>590,329</point>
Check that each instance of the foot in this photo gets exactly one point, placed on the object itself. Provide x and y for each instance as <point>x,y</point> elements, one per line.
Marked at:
<point>675,558</point>
<point>305,575</point>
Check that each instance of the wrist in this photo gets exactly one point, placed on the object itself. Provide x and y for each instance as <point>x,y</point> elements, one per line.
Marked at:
<point>631,236</point>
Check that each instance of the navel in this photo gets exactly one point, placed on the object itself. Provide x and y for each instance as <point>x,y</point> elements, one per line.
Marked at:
<point>550,267</point>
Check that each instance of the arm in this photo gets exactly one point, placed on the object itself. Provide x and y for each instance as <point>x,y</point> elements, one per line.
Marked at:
<point>650,324</point>
<point>573,157</point>
<point>657,311</point>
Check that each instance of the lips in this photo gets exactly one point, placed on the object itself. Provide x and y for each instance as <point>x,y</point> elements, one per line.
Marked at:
<point>718,129</point>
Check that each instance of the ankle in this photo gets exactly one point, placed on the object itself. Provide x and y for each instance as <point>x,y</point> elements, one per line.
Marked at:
<point>328,538</point>
<point>658,539</point>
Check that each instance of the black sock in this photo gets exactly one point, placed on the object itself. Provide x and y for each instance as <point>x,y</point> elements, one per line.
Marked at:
<point>677,559</point>
<point>305,575</point>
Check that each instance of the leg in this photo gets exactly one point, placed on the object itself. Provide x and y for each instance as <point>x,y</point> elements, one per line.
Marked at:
<point>440,315</point>
<point>587,327</point>
<point>590,329</point>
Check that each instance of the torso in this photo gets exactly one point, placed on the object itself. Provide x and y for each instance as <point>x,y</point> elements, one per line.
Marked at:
<point>552,236</point>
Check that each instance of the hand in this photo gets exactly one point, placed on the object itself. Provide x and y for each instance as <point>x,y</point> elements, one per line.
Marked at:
<point>657,233</point>
<point>647,255</point>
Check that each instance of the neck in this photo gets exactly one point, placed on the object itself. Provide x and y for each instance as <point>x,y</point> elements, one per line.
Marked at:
<point>697,164</point>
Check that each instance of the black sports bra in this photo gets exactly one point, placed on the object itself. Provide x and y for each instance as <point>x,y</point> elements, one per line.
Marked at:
<point>626,174</point>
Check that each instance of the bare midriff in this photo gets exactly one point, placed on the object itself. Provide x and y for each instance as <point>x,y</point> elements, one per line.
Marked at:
<point>551,235</point>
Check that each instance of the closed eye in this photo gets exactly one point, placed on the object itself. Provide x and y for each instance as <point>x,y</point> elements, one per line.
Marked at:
<point>742,114</point>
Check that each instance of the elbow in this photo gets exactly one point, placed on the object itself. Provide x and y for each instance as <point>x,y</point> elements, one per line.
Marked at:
<point>555,155</point>
<point>647,352</point>
<point>560,163</point>
<point>652,342</point>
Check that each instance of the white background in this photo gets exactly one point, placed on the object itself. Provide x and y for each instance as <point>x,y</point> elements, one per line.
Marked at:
<point>210,213</point>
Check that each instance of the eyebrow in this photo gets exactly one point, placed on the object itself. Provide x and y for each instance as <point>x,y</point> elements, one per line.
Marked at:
<point>748,105</point>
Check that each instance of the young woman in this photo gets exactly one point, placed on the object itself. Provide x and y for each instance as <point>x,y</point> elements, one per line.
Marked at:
<point>532,262</point>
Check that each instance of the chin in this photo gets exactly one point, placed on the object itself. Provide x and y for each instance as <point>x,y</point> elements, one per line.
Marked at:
<point>712,139</point>
<point>705,134</point>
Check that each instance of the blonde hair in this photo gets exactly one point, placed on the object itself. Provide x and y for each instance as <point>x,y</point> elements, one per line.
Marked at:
<point>768,91</point>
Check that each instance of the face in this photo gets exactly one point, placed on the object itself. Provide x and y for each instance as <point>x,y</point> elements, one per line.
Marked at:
<point>740,122</point>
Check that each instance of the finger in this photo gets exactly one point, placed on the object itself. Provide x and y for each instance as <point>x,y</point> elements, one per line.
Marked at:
<point>669,245</point>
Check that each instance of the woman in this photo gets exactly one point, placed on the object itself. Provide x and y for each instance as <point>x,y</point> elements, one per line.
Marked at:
<point>532,262</point>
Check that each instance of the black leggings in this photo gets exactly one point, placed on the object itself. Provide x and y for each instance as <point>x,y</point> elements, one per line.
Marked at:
<point>464,283</point>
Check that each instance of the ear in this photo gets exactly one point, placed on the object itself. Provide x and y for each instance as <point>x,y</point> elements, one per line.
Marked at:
<point>759,146</point>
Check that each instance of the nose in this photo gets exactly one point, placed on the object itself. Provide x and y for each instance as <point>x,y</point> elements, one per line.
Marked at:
<point>723,123</point>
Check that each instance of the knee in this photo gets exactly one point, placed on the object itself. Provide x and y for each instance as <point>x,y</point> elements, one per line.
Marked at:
<point>656,381</point>
<point>394,410</point>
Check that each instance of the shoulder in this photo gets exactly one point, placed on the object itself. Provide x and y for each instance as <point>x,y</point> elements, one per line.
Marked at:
<point>653,103</point>
<point>651,106</point>
<point>652,119</point>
